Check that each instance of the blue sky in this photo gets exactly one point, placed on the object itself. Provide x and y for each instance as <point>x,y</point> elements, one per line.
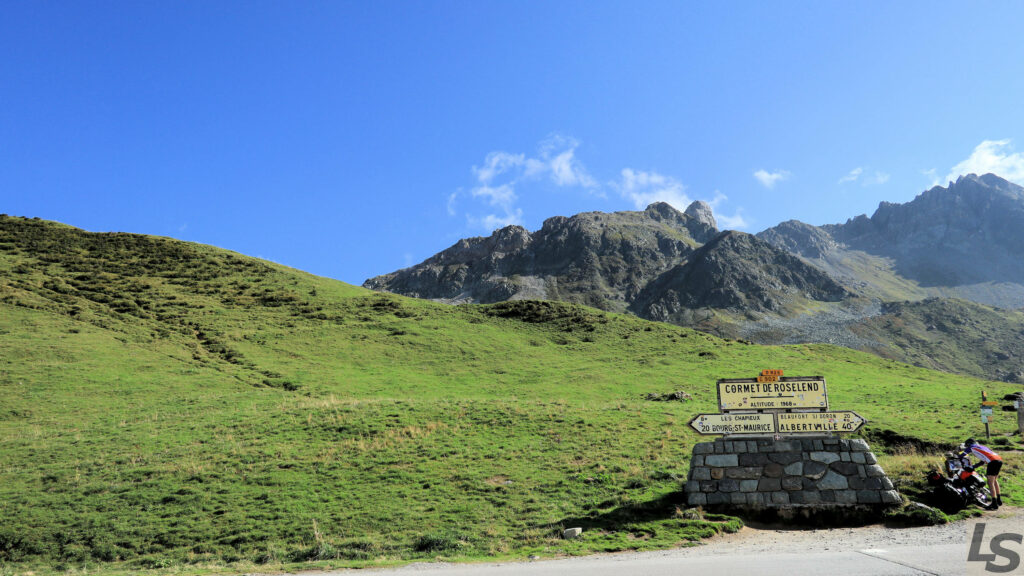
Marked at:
<point>350,139</point>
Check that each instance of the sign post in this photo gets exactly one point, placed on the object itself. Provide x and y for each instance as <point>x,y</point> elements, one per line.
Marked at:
<point>986,412</point>
<point>772,404</point>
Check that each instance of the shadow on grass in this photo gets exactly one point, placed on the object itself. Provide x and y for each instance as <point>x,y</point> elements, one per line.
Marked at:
<point>619,518</point>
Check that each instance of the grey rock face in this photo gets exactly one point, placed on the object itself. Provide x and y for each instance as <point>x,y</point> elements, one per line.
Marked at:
<point>594,258</point>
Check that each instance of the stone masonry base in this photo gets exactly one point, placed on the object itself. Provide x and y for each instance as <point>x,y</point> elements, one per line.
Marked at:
<point>758,475</point>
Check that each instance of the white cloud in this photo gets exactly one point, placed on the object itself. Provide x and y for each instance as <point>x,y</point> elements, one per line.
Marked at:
<point>932,175</point>
<point>995,156</point>
<point>644,188</point>
<point>495,221</point>
<point>451,203</point>
<point>497,163</point>
<point>770,179</point>
<point>502,173</point>
<point>852,176</point>
<point>734,222</point>
<point>875,179</point>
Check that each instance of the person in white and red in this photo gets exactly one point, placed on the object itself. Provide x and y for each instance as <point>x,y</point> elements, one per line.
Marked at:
<point>993,461</point>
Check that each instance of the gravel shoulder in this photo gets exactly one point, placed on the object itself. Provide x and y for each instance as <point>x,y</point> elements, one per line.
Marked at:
<point>766,549</point>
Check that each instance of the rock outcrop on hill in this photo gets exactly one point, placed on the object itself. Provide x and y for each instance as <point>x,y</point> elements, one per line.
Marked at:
<point>969,233</point>
<point>656,263</point>
<point>791,283</point>
<point>735,271</point>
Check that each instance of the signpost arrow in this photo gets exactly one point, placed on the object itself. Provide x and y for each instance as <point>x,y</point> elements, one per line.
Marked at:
<point>844,421</point>
<point>734,423</point>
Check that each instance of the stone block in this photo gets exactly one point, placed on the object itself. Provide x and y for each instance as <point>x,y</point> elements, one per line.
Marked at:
<point>785,458</point>
<point>859,445</point>
<point>814,469</point>
<point>791,483</point>
<point>874,483</point>
<point>780,497</point>
<point>753,459</point>
<point>728,448</point>
<point>831,442</point>
<point>717,498</point>
<point>828,496</point>
<point>697,499</point>
<point>819,445</point>
<point>786,446</point>
<point>751,446</point>
<point>845,468</point>
<point>703,448</point>
<point>874,470</point>
<point>764,444</point>
<point>869,458</point>
<point>891,497</point>
<point>571,533</point>
<point>844,445</point>
<point>769,484</point>
<point>772,470</point>
<point>692,486</point>
<point>845,456</point>
<point>697,460</point>
<point>846,496</point>
<point>717,473</point>
<point>743,472</point>
<point>748,485</point>
<point>728,485</point>
<point>833,481</point>
<point>702,473</point>
<point>710,486</point>
<point>886,483</point>
<point>738,498</point>
<point>755,500</point>
<point>805,497</point>
<point>808,484</point>
<point>722,460</point>
<point>825,457</point>
<point>868,497</point>
<point>794,469</point>
<point>856,482</point>
<point>807,444</point>
<point>858,457</point>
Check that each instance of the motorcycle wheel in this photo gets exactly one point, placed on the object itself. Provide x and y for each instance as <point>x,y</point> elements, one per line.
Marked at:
<point>984,499</point>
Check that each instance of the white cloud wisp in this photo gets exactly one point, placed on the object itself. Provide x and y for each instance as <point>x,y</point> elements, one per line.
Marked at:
<point>770,179</point>
<point>995,156</point>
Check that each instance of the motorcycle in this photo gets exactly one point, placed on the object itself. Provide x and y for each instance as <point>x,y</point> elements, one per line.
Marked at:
<point>962,487</point>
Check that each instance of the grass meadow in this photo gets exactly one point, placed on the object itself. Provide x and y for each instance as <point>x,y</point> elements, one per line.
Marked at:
<point>173,408</point>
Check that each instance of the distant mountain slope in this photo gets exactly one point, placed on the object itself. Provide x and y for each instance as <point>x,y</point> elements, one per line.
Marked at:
<point>950,335</point>
<point>593,258</point>
<point>656,263</point>
<point>735,271</point>
<point>791,283</point>
<point>966,240</point>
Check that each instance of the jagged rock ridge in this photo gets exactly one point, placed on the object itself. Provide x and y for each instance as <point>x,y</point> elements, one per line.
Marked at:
<point>654,263</point>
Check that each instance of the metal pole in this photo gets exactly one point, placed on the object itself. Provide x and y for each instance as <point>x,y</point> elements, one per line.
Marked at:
<point>1020,417</point>
<point>987,435</point>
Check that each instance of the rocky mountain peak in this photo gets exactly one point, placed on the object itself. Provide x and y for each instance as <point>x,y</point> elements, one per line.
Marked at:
<point>664,211</point>
<point>700,211</point>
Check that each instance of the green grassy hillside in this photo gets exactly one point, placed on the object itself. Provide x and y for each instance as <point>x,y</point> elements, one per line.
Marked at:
<point>951,335</point>
<point>177,407</point>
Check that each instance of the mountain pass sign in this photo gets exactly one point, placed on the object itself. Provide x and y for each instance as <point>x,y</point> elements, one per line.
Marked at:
<point>796,422</point>
<point>775,394</point>
<point>734,423</point>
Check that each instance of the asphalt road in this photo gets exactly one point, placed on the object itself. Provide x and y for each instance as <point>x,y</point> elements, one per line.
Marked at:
<point>766,551</point>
